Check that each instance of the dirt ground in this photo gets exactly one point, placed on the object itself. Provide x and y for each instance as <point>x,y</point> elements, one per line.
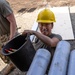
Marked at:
<point>25,5</point>
<point>29,6</point>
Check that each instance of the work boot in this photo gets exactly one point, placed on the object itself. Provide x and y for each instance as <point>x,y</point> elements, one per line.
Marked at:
<point>9,68</point>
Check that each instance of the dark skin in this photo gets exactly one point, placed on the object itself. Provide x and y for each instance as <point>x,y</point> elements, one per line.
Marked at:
<point>45,29</point>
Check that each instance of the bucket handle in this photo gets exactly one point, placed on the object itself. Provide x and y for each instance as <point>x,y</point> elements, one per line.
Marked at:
<point>28,36</point>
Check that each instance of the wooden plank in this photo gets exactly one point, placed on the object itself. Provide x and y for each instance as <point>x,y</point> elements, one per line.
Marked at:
<point>2,65</point>
<point>63,25</point>
<point>35,28</point>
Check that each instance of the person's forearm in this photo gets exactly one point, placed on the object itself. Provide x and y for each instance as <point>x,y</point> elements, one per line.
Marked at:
<point>12,30</point>
<point>44,38</point>
<point>12,21</point>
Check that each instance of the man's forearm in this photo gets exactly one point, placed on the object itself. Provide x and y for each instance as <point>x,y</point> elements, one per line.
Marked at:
<point>12,21</point>
<point>12,30</point>
<point>43,38</point>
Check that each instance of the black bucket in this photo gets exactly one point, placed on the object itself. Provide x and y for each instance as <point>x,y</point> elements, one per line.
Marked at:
<point>23,54</point>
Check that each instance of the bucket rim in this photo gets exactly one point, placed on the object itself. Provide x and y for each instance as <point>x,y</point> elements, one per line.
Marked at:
<point>6,54</point>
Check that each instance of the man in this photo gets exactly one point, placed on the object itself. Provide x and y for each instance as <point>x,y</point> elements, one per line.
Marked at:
<point>45,38</point>
<point>7,28</point>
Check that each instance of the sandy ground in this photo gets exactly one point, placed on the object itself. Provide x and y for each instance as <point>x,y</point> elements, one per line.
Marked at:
<point>23,8</point>
<point>22,5</point>
<point>25,20</point>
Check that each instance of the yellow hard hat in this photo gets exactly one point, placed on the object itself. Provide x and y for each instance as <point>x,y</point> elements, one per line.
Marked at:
<point>46,16</point>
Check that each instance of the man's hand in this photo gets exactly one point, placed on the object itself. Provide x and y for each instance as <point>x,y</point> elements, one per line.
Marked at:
<point>28,32</point>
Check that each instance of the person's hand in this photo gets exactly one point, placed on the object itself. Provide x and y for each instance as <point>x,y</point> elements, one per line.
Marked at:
<point>28,32</point>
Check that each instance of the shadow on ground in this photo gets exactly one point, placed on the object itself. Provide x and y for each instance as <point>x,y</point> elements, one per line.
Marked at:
<point>23,10</point>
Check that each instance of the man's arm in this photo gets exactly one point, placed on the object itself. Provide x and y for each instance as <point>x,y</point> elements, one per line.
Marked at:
<point>12,21</point>
<point>47,40</point>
